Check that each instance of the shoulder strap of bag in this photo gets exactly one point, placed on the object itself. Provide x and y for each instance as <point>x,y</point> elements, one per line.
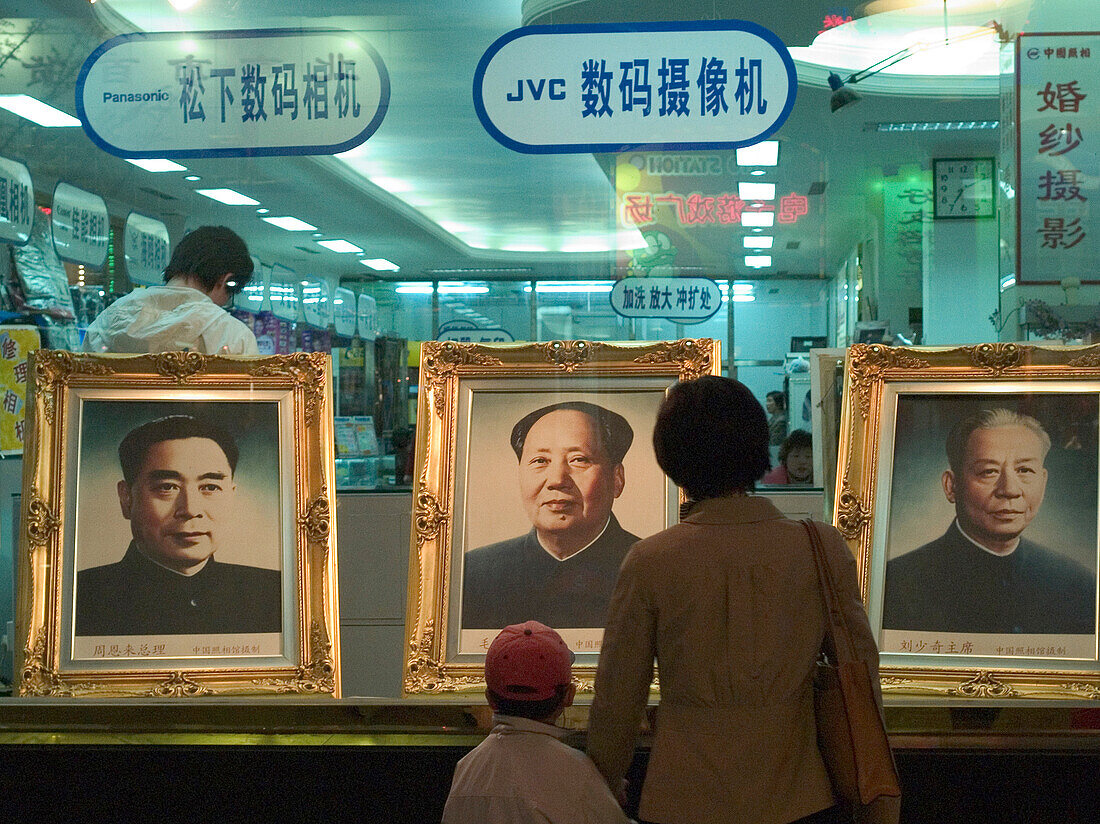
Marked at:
<point>836,628</point>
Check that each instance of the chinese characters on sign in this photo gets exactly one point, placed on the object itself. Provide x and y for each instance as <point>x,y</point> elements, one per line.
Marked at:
<point>695,209</point>
<point>232,93</point>
<point>914,642</point>
<point>719,84</point>
<point>682,300</point>
<point>1058,89</point>
<point>16,342</point>
<point>145,241</point>
<point>16,202</point>
<point>81,231</point>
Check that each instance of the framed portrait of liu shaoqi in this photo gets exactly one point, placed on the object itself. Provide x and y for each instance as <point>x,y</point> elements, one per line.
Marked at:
<point>968,490</point>
<point>535,475</point>
<point>176,527</point>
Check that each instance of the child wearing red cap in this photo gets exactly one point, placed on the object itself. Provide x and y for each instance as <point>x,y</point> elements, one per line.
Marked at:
<point>523,773</point>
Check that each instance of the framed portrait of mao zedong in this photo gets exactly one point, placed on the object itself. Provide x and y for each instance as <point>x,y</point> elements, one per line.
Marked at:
<point>176,527</point>
<point>968,488</point>
<point>535,476</point>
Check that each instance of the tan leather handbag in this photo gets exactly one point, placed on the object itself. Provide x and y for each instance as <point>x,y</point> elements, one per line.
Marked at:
<point>850,731</point>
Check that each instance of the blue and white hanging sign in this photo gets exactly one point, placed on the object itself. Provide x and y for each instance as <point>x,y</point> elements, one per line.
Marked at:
<point>344,311</point>
<point>253,296</point>
<point>316,306</point>
<point>283,292</point>
<point>681,300</point>
<point>80,226</point>
<point>367,311</point>
<point>145,241</point>
<point>16,202</point>
<point>716,84</point>
<point>232,93</point>
<point>466,331</point>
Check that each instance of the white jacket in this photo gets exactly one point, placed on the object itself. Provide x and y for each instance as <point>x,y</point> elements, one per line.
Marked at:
<point>168,319</point>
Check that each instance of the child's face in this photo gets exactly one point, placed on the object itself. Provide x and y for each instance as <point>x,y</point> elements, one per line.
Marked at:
<point>800,465</point>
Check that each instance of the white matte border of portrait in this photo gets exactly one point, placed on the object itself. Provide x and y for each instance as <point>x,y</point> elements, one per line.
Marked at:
<point>887,509</point>
<point>291,484</point>
<point>452,376</point>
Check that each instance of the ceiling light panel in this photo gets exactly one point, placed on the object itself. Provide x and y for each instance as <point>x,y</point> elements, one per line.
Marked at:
<point>339,245</point>
<point>291,224</point>
<point>765,219</point>
<point>230,197</point>
<point>756,191</point>
<point>156,164</point>
<point>764,153</point>
<point>34,110</point>
<point>758,261</point>
<point>759,242</point>
<point>381,264</point>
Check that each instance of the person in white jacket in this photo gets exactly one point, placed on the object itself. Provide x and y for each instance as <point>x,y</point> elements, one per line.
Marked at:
<point>523,773</point>
<point>208,267</point>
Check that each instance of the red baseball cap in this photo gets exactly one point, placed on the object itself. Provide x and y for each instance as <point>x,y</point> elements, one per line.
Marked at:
<point>527,662</point>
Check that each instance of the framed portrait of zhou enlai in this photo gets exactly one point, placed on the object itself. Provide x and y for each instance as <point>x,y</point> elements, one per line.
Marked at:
<point>177,534</point>
<point>968,489</point>
<point>535,476</point>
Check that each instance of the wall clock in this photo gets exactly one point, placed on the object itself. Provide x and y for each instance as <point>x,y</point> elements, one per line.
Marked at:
<point>963,188</point>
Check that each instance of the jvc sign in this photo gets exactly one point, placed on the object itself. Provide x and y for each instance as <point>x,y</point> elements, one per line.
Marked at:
<point>713,84</point>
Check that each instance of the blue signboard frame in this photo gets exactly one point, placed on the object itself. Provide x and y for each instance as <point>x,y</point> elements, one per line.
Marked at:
<point>236,151</point>
<point>686,26</point>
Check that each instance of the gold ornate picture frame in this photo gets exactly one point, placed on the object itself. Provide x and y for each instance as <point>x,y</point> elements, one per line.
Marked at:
<point>979,570</point>
<point>477,404</point>
<point>260,618</point>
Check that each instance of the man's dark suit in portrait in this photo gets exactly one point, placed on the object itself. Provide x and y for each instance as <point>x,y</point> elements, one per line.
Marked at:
<point>562,572</point>
<point>177,490</point>
<point>981,576</point>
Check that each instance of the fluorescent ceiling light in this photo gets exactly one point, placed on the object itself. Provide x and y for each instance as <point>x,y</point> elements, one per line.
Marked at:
<point>414,289</point>
<point>262,211</point>
<point>764,153</point>
<point>339,245</point>
<point>183,5</point>
<point>392,185</point>
<point>756,191</point>
<point>573,286</point>
<point>463,289</point>
<point>381,264</point>
<point>291,224</point>
<point>743,298</point>
<point>941,126</point>
<point>758,261</point>
<point>229,197</point>
<point>742,288</point>
<point>764,219</point>
<point>156,164</point>
<point>34,110</point>
<point>192,178</point>
<point>759,242</point>
<point>757,172</point>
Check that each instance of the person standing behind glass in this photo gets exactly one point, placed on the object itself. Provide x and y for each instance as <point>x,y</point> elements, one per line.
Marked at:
<point>208,267</point>
<point>728,602</point>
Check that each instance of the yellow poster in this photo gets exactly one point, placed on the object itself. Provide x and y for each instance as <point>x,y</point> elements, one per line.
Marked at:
<point>16,342</point>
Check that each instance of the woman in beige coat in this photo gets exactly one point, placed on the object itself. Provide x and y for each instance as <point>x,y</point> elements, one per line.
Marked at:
<point>729,605</point>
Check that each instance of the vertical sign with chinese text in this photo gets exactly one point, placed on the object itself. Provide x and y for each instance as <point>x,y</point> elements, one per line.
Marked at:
<point>344,311</point>
<point>16,342</point>
<point>232,93</point>
<point>145,241</point>
<point>1058,151</point>
<point>603,88</point>
<point>16,202</point>
<point>80,226</point>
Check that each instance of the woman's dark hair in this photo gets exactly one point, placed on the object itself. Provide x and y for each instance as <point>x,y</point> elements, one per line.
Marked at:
<point>798,439</point>
<point>711,437</point>
<point>778,398</point>
<point>208,253</point>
